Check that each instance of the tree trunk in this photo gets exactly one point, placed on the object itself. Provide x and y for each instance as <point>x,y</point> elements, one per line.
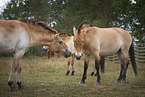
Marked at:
<point>107,13</point>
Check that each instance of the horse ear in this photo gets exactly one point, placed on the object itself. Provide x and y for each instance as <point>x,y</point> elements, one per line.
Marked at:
<point>74,29</point>
<point>56,35</point>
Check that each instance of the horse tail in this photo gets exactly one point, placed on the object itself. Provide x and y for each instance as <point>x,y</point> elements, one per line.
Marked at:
<point>102,63</point>
<point>132,58</point>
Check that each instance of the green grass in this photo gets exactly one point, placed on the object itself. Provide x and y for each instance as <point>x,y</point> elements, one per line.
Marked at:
<point>46,78</point>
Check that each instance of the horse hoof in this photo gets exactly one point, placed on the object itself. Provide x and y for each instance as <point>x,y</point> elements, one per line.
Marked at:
<point>98,83</point>
<point>20,87</point>
<point>117,81</point>
<point>92,74</point>
<point>72,73</point>
<point>67,73</point>
<point>81,82</point>
<point>123,81</point>
<point>12,89</point>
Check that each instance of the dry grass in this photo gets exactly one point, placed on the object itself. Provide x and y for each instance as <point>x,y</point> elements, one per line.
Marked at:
<point>42,77</point>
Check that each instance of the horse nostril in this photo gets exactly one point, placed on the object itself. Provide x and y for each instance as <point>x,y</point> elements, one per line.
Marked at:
<point>78,58</point>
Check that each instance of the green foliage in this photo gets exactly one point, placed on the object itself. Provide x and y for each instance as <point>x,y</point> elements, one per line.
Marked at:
<point>64,14</point>
<point>132,16</point>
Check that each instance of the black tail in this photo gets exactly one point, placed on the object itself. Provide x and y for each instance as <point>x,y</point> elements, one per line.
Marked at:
<point>102,63</point>
<point>132,58</point>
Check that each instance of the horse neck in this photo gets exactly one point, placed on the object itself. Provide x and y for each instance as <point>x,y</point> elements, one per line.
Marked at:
<point>40,37</point>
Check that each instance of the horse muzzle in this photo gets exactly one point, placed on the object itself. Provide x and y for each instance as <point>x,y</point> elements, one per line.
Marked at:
<point>78,56</point>
<point>67,53</point>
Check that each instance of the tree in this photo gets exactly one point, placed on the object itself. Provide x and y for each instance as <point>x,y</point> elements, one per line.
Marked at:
<point>131,16</point>
<point>27,9</point>
<point>64,14</point>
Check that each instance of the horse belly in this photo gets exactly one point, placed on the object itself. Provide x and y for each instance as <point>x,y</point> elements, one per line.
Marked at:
<point>109,50</point>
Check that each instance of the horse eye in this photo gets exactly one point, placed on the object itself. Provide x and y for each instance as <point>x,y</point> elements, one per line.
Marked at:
<point>60,42</point>
<point>82,41</point>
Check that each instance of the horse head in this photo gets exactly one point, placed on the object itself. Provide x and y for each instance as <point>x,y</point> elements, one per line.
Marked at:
<point>58,46</point>
<point>78,42</point>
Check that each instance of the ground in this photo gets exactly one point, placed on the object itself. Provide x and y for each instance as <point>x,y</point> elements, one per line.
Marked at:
<point>42,77</point>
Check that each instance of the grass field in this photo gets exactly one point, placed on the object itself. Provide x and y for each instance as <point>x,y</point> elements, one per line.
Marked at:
<point>46,78</point>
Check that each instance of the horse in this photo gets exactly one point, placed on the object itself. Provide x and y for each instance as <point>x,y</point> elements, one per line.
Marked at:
<point>104,42</point>
<point>17,36</point>
<point>68,39</point>
<point>69,42</point>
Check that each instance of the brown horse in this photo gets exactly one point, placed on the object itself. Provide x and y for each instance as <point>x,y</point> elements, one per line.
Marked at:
<point>16,36</point>
<point>104,42</point>
<point>68,40</point>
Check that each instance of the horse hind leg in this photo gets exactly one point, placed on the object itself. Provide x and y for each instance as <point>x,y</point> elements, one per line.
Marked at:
<point>20,86</point>
<point>123,59</point>
<point>97,61</point>
<point>126,63</point>
<point>17,57</point>
<point>97,69</point>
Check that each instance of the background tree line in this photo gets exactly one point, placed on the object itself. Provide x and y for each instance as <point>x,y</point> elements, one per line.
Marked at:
<point>64,14</point>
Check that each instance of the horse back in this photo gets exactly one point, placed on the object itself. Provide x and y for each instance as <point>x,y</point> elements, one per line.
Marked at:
<point>107,41</point>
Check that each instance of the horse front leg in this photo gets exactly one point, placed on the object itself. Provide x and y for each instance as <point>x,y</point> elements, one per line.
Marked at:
<point>72,63</point>
<point>86,62</point>
<point>18,55</point>
<point>68,68</point>
<point>93,71</point>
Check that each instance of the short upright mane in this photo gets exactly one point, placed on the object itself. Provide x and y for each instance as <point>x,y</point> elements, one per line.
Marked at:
<point>64,34</point>
<point>40,23</point>
<point>87,24</point>
<point>45,26</point>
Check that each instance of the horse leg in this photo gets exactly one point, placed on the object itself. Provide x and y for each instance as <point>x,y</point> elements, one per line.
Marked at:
<point>123,58</point>
<point>97,60</point>
<point>122,66</point>
<point>68,70</point>
<point>86,62</point>
<point>17,57</point>
<point>124,72</point>
<point>102,65</point>
<point>20,86</point>
<point>93,72</point>
<point>72,65</point>
<point>126,63</point>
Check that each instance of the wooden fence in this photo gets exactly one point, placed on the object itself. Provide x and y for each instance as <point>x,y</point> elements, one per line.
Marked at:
<point>139,54</point>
